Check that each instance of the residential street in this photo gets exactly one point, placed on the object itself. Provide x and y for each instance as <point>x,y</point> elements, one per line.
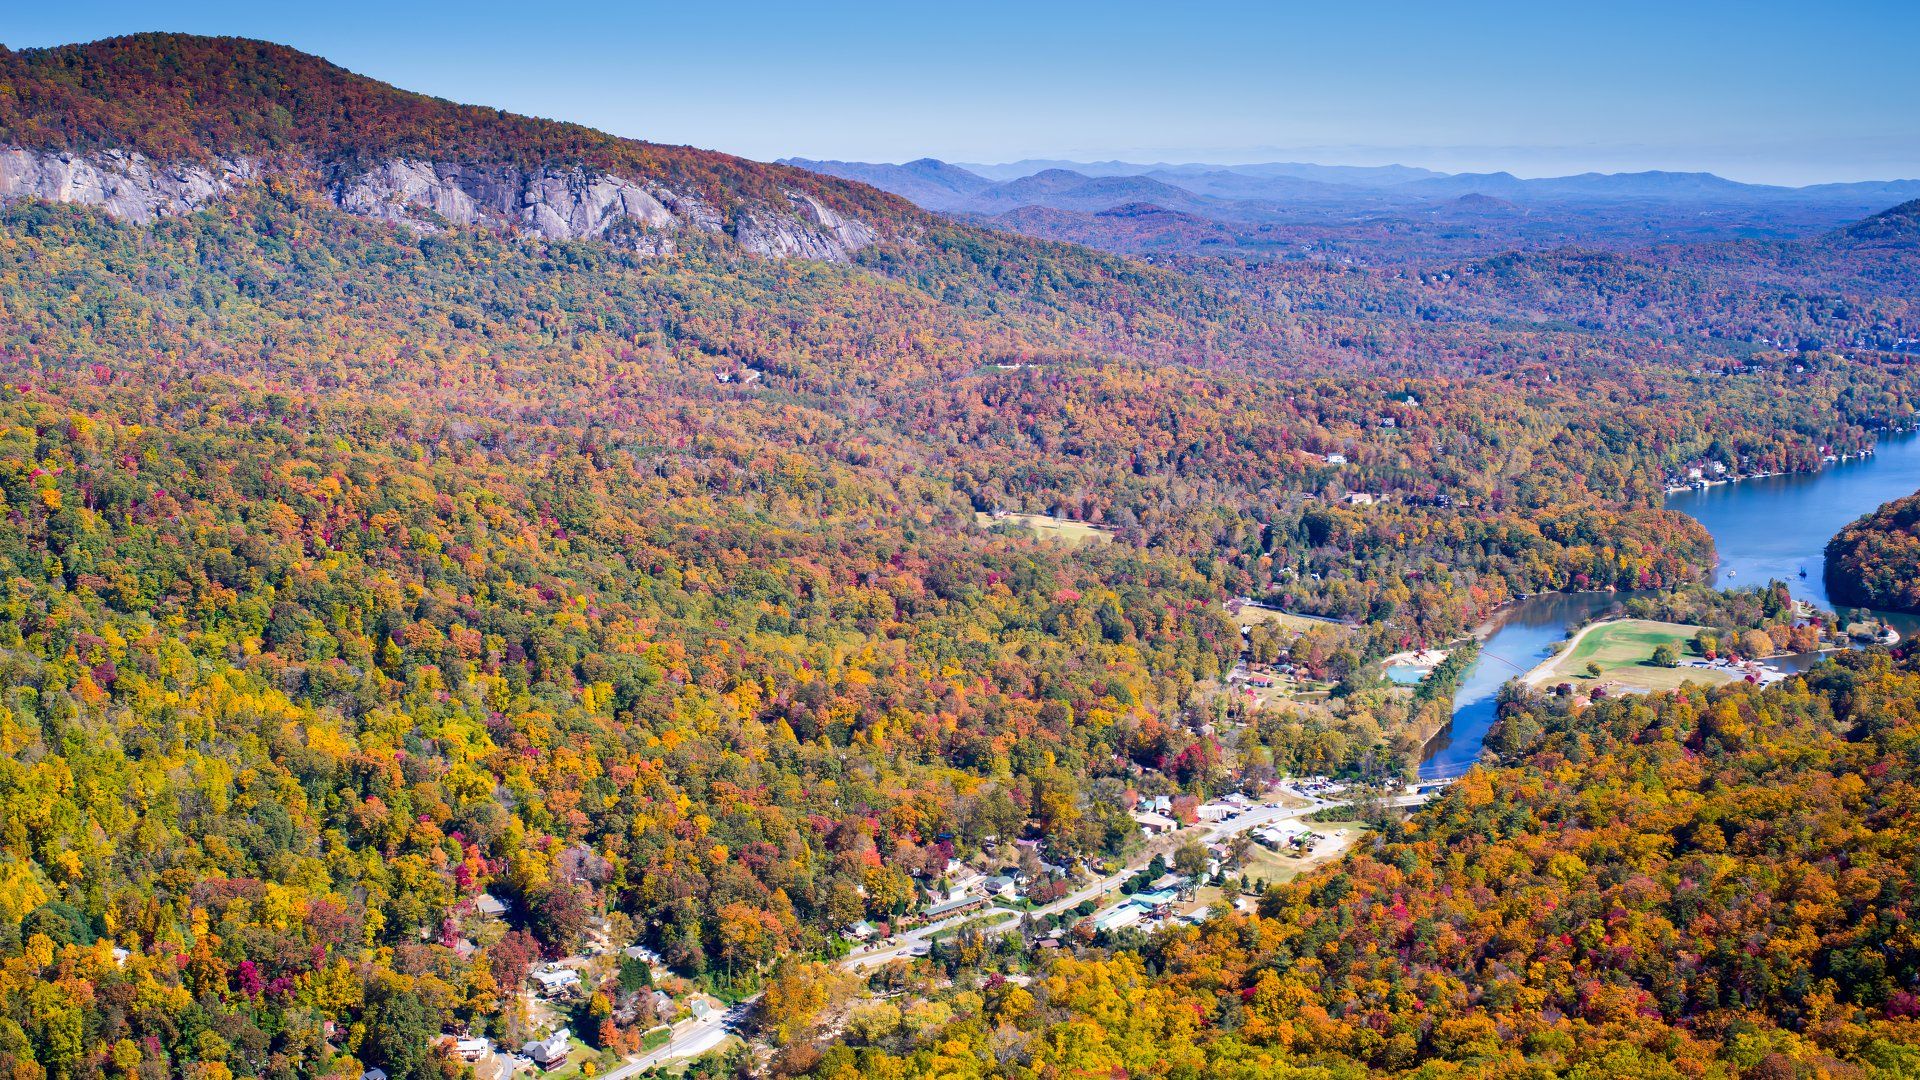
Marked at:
<point>694,1037</point>
<point>917,938</point>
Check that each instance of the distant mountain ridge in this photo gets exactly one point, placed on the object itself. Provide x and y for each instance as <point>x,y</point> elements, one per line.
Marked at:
<point>1354,175</point>
<point>1321,211</point>
<point>1295,180</point>
<point>927,182</point>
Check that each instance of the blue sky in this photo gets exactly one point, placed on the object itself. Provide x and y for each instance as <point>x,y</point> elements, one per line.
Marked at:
<point>1759,90</point>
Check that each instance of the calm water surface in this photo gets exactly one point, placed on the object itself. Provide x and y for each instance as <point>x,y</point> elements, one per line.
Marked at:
<point>1763,529</point>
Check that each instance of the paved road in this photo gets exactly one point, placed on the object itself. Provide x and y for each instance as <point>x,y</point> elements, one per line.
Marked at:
<point>914,942</point>
<point>691,1038</point>
<point>694,1037</point>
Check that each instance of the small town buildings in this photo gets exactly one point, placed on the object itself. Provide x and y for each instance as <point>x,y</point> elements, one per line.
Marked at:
<point>1114,918</point>
<point>963,883</point>
<point>1154,898</point>
<point>1281,833</point>
<point>948,908</point>
<point>550,1052</point>
<point>999,885</point>
<point>1154,824</point>
<point>489,905</point>
<point>554,981</point>
<point>1336,459</point>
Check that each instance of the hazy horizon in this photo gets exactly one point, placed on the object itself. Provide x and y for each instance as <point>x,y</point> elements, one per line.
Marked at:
<point>1292,158</point>
<point>1761,92</point>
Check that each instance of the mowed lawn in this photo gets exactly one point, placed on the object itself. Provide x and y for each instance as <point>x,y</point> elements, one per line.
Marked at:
<point>1072,533</point>
<point>1624,650</point>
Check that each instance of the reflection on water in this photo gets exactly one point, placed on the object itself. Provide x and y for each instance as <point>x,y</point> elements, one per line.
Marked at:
<point>1521,636</point>
<point>1763,529</point>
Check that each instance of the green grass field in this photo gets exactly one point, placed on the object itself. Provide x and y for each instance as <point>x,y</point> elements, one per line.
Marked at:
<point>1299,624</point>
<point>1071,533</point>
<point>1624,651</point>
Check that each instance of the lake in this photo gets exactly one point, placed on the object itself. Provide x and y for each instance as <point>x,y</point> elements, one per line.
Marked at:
<point>1771,527</point>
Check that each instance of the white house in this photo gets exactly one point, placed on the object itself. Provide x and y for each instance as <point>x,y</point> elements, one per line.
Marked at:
<point>556,980</point>
<point>1280,833</point>
<point>962,883</point>
<point>550,1052</point>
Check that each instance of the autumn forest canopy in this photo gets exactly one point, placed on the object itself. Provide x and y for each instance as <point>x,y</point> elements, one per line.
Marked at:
<point>358,566</point>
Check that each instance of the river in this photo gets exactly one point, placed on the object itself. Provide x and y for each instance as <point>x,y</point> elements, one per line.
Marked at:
<point>1766,528</point>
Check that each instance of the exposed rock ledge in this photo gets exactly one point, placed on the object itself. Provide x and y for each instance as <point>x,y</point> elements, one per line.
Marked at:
<point>127,186</point>
<point>557,203</point>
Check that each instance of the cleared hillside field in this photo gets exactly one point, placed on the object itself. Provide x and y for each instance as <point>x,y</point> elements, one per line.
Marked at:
<point>1071,533</point>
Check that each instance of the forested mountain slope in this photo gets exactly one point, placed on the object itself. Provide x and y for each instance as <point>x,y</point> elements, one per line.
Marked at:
<point>1695,885</point>
<point>156,124</point>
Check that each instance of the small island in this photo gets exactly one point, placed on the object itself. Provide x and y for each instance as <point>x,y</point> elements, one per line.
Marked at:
<point>1875,562</point>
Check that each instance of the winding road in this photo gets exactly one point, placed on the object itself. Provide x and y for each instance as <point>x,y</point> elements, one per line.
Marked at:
<point>694,1037</point>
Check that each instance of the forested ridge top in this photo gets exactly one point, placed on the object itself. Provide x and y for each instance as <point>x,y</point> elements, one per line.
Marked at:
<point>179,97</point>
<point>1875,561</point>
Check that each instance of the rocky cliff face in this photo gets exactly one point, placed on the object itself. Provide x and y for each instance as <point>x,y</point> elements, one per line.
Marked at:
<point>557,203</point>
<point>812,231</point>
<point>128,186</point>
